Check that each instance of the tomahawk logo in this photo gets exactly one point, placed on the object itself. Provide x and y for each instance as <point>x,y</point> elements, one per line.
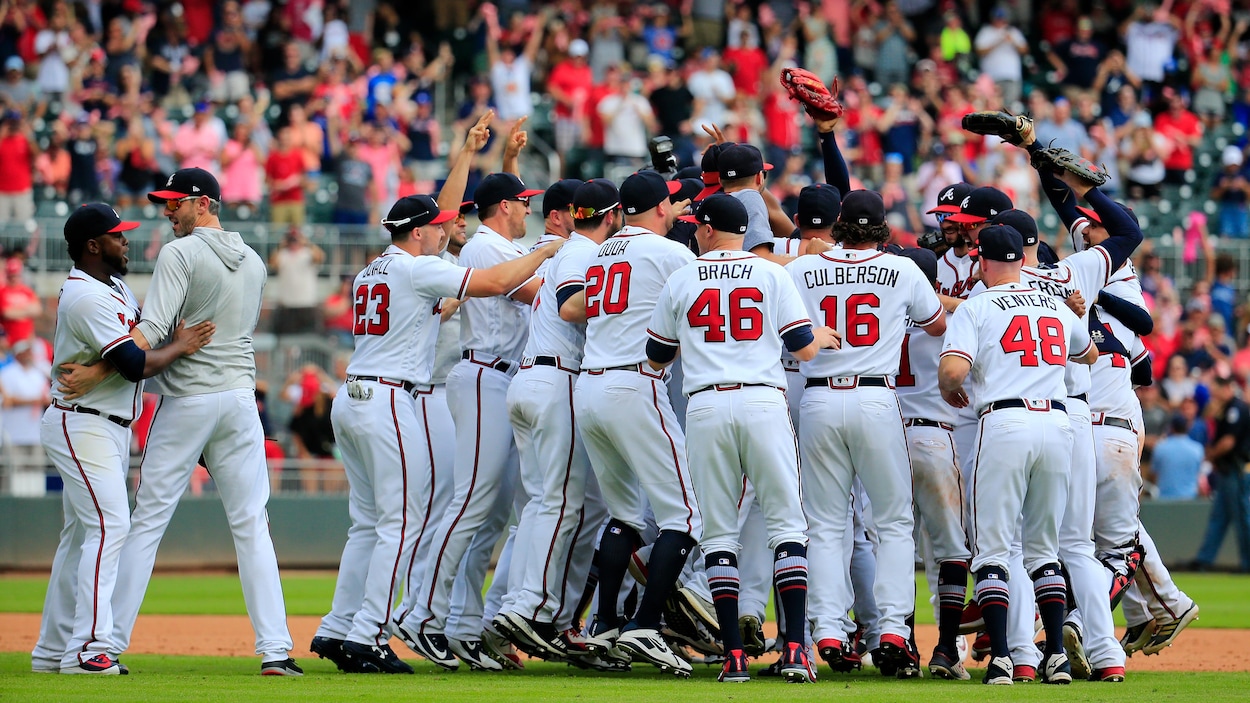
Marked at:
<point>170,182</point>
<point>964,204</point>
<point>949,194</point>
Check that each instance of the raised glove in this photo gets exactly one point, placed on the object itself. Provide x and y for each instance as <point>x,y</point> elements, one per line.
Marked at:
<point>803,85</point>
<point>1057,158</point>
<point>1014,129</point>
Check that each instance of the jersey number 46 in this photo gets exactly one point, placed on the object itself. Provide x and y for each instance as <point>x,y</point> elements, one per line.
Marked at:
<point>745,322</point>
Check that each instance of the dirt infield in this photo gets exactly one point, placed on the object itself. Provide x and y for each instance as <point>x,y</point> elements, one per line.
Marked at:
<point>231,635</point>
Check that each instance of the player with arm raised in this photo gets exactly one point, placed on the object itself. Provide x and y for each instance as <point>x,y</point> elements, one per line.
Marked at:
<point>1014,343</point>
<point>851,425</point>
<point>635,443</point>
<point>730,312</point>
<point>87,439</point>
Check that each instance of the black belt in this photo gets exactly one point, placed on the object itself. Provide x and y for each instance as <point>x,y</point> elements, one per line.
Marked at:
<point>499,364</point>
<point>734,387</point>
<point>1081,397</point>
<point>860,382</point>
<point>1114,422</point>
<point>408,386</point>
<point>553,361</point>
<point>1027,405</point>
<point>921,422</point>
<point>91,411</point>
<point>642,368</point>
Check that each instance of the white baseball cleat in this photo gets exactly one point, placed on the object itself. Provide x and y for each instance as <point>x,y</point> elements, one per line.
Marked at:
<point>999,672</point>
<point>470,652</point>
<point>647,644</point>
<point>1166,632</point>
<point>99,665</point>
<point>1076,651</point>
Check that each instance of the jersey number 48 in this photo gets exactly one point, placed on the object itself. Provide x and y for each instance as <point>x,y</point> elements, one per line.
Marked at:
<point>1048,342</point>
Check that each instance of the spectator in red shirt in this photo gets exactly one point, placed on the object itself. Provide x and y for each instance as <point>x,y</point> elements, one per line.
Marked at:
<point>569,85</point>
<point>338,313</point>
<point>17,169</point>
<point>782,134</point>
<point>19,306</point>
<point>285,172</point>
<point>746,63</point>
<point>1184,130</point>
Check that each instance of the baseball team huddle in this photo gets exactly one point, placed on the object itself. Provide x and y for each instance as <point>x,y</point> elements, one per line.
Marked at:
<point>679,405</point>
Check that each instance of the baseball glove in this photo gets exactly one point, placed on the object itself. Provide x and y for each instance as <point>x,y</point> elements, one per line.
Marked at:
<point>1014,129</point>
<point>805,87</point>
<point>1059,159</point>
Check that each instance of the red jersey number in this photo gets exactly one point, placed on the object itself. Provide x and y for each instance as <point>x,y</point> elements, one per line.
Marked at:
<point>863,328</point>
<point>1048,342</point>
<point>607,290</point>
<point>746,322</point>
<point>372,310</point>
<point>905,378</point>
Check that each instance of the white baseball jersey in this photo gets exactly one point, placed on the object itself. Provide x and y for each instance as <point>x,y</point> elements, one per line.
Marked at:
<point>93,318</point>
<point>397,302</point>
<point>788,246</point>
<point>623,283</point>
<point>1111,385</point>
<point>496,325</point>
<point>550,335</point>
<point>868,296</point>
<point>1010,330</point>
<point>955,274</point>
<point>917,379</point>
<point>547,237</point>
<point>727,311</point>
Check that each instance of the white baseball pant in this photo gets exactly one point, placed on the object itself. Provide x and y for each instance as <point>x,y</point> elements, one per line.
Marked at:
<point>1153,595</point>
<point>56,625</point>
<point>755,562</point>
<point>225,428</point>
<point>846,434</point>
<point>1118,489</point>
<point>92,455</point>
<point>938,490</point>
<point>861,554</point>
<point>481,503</point>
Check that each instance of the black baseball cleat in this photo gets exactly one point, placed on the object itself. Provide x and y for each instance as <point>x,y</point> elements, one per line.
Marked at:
<point>945,665</point>
<point>895,658</point>
<point>281,667</point>
<point>332,649</point>
<point>374,659</point>
<point>1055,669</point>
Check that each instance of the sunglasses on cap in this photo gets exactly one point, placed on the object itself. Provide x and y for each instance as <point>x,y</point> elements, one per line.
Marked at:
<point>173,205</point>
<point>524,200</point>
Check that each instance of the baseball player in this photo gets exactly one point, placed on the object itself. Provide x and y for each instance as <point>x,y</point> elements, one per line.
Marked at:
<point>379,420</point>
<point>207,408</point>
<point>1016,342</point>
<point>851,426</point>
<point>937,483</point>
<point>547,556</point>
<point>88,440</point>
<point>955,265</point>
<point>493,334</point>
<point>730,312</point>
<point>634,440</point>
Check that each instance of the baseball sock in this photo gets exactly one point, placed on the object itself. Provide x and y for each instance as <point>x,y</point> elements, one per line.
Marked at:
<point>1051,593</point>
<point>952,590</point>
<point>993,596</point>
<point>722,578</point>
<point>790,576</point>
<point>668,556</point>
<point>588,591</point>
<point>615,547</point>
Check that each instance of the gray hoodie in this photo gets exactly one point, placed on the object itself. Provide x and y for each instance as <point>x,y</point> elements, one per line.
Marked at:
<point>209,274</point>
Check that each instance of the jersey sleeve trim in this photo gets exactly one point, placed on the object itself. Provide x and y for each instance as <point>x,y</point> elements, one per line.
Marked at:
<point>1107,257</point>
<point>113,344</point>
<point>525,283</point>
<point>464,284</point>
<point>1144,353</point>
<point>931,319</point>
<point>793,325</point>
<point>1083,352</point>
<point>955,352</point>
<point>662,339</point>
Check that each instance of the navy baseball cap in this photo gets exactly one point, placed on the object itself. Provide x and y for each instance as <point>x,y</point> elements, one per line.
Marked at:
<point>740,161</point>
<point>950,198</point>
<point>559,195</point>
<point>467,206</point>
<point>925,259</point>
<point>593,198</point>
<point>723,212</point>
<point>1094,217</point>
<point>863,207</point>
<point>1001,243</point>
<point>413,211</point>
<point>498,187</point>
<point>1023,223</point>
<point>690,190</point>
<point>94,220</point>
<point>819,205</point>
<point>711,170</point>
<point>981,205</point>
<point>644,190</point>
<point>186,183</point>
<point>689,172</point>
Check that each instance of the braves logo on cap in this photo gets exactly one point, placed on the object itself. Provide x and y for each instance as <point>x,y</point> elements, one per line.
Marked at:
<point>964,204</point>
<point>170,182</point>
<point>948,195</point>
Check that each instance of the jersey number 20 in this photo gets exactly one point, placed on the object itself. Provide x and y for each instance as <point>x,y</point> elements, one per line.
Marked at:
<point>746,322</point>
<point>372,310</point>
<point>607,290</point>
<point>1048,342</point>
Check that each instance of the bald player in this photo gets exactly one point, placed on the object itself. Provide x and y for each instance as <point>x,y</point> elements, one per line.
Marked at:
<point>1015,343</point>
<point>851,426</point>
<point>379,419</point>
<point>88,440</point>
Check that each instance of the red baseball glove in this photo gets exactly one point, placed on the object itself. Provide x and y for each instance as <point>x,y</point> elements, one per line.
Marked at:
<point>803,86</point>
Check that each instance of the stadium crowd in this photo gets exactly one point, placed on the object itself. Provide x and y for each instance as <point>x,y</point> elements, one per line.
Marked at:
<point>288,101</point>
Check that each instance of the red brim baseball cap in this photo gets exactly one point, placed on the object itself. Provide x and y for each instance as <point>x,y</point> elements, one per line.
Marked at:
<point>964,218</point>
<point>1091,214</point>
<point>944,210</point>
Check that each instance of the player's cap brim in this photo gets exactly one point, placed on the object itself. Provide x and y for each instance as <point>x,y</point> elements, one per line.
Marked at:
<point>160,196</point>
<point>444,216</point>
<point>673,187</point>
<point>1090,213</point>
<point>467,206</point>
<point>125,226</point>
<point>944,210</point>
<point>707,191</point>
<point>528,193</point>
<point>966,219</point>
<point>688,218</point>
<point>768,166</point>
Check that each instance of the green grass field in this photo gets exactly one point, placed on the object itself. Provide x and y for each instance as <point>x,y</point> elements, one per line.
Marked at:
<point>224,678</point>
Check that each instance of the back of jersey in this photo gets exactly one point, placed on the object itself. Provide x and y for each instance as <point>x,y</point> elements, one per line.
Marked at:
<point>917,379</point>
<point>550,335</point>
<point>1018,341</point>
<point>727,310</point>
<point>623,283</point>
<point>868,296</point>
